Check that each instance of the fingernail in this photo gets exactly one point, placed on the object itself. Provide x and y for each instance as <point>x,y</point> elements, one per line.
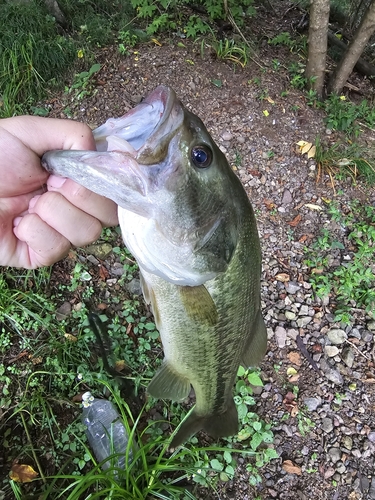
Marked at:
<point>33,201</point>
<point>16,221</point>
<point>55,181</point>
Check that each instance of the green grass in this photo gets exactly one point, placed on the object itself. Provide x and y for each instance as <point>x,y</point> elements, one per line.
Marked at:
<point>46,363</point>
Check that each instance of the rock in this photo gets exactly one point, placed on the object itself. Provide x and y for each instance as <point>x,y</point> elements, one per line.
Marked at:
<point>292,287</point>
<point>100,251</point>
<point>331,374</point>
<point>372,488</point>
<point>63,311</point>
<point>347,442</point>
<point>287,197</point>
<point>371,326</point>
<point>348,356</point>
<point>367,336</point>
<point>336,336</point>
<point>312,403</point>
<point>371,436</point>
<point>331,351</point>
<point>327,424</point>
<point>290,315</point>
<point>304,321</point>
<point>134,287</point>
<point>334,454</point>
<point>292,333</point>
<point>280,335</point>
<point>226,136</point>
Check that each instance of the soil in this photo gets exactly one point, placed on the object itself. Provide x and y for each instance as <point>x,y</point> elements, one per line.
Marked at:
<point>257,118</point>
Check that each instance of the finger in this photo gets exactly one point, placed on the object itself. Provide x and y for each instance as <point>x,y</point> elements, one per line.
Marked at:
<point>39,244</point>
<point>98,206</point>
<point>43,134</point>
<point>74,224</point>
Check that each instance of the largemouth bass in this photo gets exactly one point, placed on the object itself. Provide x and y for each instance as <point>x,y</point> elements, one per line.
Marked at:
<point>188,222</point>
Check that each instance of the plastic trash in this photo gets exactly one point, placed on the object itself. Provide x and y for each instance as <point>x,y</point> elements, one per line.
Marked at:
<point>105,432</point>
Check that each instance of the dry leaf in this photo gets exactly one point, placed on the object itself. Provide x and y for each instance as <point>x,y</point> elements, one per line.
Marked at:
<point>312,152</point>
<point>269,204</point>
<point>291,371</point>
<point>306,148</point>
<point>295,358</point>
<point>301,144</point>
<point>103,273</point>
<point>70,337</point>
<point>311,206</point>
<point>293,379</point>
<point>290,468</point>
<point>120,365</point>
<point>271,101</point>
<point>283,277</point>
<point>303,238</point>
<point>265,112</point>
<point>156,42</point>
<point>22,473</point>
<point>295,221</point>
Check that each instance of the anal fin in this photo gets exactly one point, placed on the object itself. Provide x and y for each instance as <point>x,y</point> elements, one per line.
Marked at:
<point>256,346</point>
<point>168,384</point>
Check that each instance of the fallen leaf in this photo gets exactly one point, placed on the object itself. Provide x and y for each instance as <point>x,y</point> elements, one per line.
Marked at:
<point>271,101</point>
<point>103,273</point>
<point>22,473</point>
<point>269,204</point>
<point>291,371</point>
<point>295,221</point>
<point>120,365</point>
<point>311,152</point>
<point>156,42</point>
<point>295,358</point>
<point>70,337</point>
<point>290,468</point>
<point>265,112</point>
<point>283,277</point>
<point>306,148</point>
<point>303,238</point>
<point>217,83</point>
<point>301,144</point>
<point>293,379</point>
<point>311,206</point>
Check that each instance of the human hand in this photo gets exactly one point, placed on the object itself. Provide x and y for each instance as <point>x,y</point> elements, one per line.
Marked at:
<point>42,215</point>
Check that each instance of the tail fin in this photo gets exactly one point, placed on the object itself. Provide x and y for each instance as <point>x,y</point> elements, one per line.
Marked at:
<point>219,425</point>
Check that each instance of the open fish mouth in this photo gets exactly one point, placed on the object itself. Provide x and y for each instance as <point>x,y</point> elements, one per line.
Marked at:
<point>126,147</point>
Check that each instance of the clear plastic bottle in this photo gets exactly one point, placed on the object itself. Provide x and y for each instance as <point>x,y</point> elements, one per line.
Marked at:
<point>105,432</point>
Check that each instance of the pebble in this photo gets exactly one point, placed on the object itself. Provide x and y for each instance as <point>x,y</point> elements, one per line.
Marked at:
<point>336,336</point>
<point>292,287</point>
<point>287,197</point>
<point>371,326</point>
<point>334,454</point>
<point>327,424</point>
<point>331,351</point>
<point>347,442</point>
<point>304,321</point>
<point>280,335</point>
<point>63,311</point>
<point>367,336</point>
<point>226,136</point>
<point>371,436</point>
<point>348,356</point>
<point>312,403</point>
<point>290,315</point>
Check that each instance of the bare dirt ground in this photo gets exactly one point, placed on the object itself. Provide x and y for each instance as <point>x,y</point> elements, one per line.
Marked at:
<point>325,433</point>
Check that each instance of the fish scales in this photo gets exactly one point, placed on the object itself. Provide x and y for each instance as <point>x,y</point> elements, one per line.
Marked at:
<point>188,221</point>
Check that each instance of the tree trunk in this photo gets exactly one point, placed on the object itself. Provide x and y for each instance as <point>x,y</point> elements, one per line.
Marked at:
<point>355,49</point>
<point>318,28</point>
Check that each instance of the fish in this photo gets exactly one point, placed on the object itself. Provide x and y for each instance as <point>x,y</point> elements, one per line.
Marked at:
<point>187,220</point>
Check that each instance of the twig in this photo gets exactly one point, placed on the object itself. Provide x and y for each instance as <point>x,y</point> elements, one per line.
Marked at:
<point>32,448</point>
<point>233,23</point>
<point>356,348</point>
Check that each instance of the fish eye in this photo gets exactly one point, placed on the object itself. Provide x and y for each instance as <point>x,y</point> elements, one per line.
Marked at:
<point>201,156</point>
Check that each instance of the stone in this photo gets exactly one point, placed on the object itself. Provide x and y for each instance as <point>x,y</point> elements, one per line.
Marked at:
<point>371,326</point>
<point>134,287</point>
<point>226,136</point>
<point>367,336</point>
<point>331,351</point>
<point>334,454</point>
<point>292,287</point>
<point>337,336</point>
<point>287,197</point>
<point>312,403</point>
<point>280,335</point>
<point>100,250</point>
<point>63,311</point>
<point>371,436</point>
<point>290,315</point>
<point>347,442</point>
<point>304,321</point>
<point>327,425</point>
<point>348,356</point>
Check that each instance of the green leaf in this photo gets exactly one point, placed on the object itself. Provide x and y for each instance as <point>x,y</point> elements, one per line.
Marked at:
<point>254,379</point>
<point>227,457</point>
<point>216,465</point>
<point>217,83</point>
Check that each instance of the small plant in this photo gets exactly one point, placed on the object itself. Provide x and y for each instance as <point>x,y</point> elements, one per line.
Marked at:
<point>351,282</point>
<point>82,83</point>
<point>231,51</point>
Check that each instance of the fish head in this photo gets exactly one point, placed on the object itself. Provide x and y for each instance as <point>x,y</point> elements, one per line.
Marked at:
<point>159,162</point>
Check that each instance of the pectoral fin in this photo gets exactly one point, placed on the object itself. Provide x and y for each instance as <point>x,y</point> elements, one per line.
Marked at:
<point>167,384</point>
<point>256,346</point>
<point>199,304</point>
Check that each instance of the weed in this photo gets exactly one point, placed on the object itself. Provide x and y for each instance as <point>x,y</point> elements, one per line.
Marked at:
<point>350,278</point>
<point>83,83</point>
<point>231,51</point>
